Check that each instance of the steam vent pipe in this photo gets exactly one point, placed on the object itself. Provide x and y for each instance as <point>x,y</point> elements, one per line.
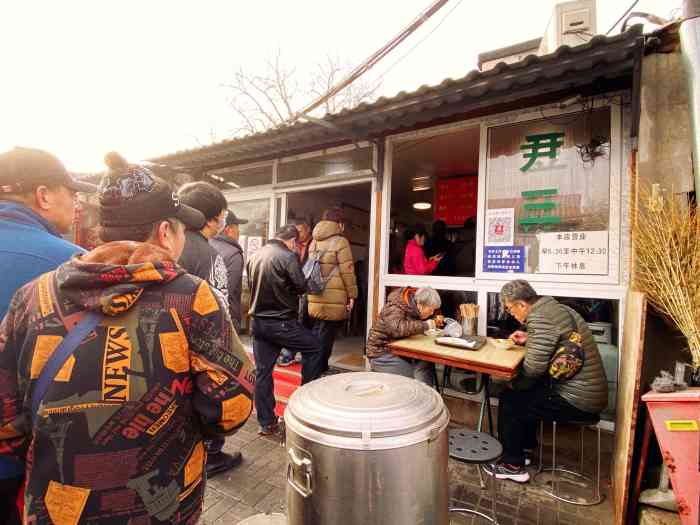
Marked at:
<point>690,47</point>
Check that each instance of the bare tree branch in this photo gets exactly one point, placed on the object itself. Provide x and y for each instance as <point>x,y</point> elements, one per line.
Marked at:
<point>268,98</point>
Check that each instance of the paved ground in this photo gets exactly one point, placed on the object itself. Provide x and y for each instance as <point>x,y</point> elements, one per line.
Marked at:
<point>258,486</point>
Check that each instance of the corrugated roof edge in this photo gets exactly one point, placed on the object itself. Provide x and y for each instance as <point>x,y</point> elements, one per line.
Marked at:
<point>405,98</point>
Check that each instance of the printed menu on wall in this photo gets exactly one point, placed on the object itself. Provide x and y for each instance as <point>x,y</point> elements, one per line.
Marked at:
<point>455,199</point>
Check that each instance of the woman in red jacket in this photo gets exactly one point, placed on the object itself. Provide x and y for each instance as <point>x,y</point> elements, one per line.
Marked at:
<point>414,261</point>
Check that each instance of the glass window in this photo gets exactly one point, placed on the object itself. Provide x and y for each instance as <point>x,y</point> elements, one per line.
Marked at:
<point>253,236</point>
<point>451,299</point>
<point>434,190</point>
<point>601,316</point>
<point>228,178</point>
<point>548,196</point>
<point>342,163</point>
<point>254,233</point>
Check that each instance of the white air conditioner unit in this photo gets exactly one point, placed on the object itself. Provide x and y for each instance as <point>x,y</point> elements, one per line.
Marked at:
<point>571,24</point>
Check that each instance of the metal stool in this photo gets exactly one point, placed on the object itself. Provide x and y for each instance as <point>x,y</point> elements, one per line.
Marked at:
<point>476,448</point>
<point>556,470</point>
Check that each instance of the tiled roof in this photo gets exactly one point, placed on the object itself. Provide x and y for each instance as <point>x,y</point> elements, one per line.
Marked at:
<point>504,52</point>
<point>602,58</point>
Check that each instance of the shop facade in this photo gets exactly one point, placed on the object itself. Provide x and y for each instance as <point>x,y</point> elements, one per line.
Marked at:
<point>527,164</point>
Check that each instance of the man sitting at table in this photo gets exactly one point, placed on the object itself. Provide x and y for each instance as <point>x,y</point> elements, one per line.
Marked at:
<point>407,312</point>
<point>535,394</point>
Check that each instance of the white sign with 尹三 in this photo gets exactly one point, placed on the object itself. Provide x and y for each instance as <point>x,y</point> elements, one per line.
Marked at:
<point>573,253</point>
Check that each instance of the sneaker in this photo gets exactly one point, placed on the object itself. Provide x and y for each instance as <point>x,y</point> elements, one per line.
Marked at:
<point>506,471</point>
<point>269,430</point>
<point>222,462</point>
<point>285,359</point>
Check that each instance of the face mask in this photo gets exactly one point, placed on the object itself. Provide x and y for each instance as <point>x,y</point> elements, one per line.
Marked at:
<point>221,225</point>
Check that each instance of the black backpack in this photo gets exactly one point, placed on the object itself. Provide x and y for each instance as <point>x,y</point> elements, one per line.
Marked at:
<point>315,281</point>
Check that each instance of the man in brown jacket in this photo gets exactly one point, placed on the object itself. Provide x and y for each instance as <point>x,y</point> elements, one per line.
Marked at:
<point>406,312</point>
<point>329,310</point>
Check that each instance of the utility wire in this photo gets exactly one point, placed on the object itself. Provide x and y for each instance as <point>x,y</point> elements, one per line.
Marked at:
<point>374,58</point>
<point>622,17</point>
<point>392,66</point>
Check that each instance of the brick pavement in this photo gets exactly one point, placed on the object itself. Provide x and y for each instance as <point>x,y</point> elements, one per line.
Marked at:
<point>258,486</point>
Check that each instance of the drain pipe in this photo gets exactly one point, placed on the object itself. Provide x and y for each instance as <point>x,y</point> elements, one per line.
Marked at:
<point>690,48</point>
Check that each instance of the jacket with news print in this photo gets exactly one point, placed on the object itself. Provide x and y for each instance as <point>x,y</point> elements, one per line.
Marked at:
<point>119,438</point>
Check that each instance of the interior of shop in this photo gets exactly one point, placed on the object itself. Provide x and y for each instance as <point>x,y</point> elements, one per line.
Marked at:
<point>434,191</point>
<point>355,200</point>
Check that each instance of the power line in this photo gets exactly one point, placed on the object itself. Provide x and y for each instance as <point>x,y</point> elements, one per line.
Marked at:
<point>419,42</point>
<point>623,16</point>
<point>374,58</point>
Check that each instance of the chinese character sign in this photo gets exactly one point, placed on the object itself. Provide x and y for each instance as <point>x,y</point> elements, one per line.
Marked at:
<point>542,145</point>
<point>536,168</point>
<point>455,199</point>
<point>576,253</point>
<point>504,259</point>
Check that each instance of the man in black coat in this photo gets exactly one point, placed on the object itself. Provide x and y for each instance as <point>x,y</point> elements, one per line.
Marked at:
<point>199,258</point>
<point>203,261</point>
<point>226,243</point>
<point>276,281</point>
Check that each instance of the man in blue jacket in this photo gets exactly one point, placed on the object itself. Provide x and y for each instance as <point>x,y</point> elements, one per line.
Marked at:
<point>37,199</point>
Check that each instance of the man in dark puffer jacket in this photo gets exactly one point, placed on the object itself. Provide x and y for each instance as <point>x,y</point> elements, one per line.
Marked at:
<point>535,396</point>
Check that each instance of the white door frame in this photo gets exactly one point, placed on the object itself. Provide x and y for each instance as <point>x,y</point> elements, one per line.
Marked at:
<point>372,225</point>
<point>273,193</point>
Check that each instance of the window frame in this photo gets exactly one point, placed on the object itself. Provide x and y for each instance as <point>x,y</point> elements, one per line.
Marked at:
<point>613,286</point>
<point>614,226</point>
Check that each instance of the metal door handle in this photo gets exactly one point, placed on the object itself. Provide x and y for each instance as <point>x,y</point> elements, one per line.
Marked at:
<point>303,464</point>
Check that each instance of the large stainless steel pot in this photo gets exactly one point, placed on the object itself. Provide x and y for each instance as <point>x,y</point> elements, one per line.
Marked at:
<point>366,448</point>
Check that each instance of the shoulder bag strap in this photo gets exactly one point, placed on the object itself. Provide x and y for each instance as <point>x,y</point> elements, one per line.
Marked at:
<point>59,357</point>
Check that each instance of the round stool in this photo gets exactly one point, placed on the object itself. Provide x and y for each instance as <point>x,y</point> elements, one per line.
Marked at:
<point>476,448</point>
<point>556,469</point>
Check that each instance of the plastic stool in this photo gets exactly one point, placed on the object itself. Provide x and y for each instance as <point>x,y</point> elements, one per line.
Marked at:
<point>476,448</point>
<point>556,470</point>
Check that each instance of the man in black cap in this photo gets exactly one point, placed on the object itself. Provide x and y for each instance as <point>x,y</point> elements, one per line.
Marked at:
<point>116,366</point>
<point>226,243</point>
<point>37,201</point>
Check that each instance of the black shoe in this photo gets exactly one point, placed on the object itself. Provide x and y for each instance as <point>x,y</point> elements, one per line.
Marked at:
<point>529,454</point>
<point>269,430</point>
<point>222,462</point>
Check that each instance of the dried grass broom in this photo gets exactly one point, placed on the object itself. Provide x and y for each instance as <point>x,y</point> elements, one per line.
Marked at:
<point>667,266</point>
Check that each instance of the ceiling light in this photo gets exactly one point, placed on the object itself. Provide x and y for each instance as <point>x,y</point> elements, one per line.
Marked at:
<point>422,183</point>
<point>422,206</point>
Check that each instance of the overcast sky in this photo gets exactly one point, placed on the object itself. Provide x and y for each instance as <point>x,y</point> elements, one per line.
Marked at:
<point>80,78</point>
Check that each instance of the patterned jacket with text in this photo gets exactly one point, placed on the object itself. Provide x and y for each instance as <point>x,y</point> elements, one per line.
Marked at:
<point>119,437</point>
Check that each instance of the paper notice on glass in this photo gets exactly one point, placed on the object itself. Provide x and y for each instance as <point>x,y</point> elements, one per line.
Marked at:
<point>254,244</point>
<point>574,253</point>
<point>500,227</point>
